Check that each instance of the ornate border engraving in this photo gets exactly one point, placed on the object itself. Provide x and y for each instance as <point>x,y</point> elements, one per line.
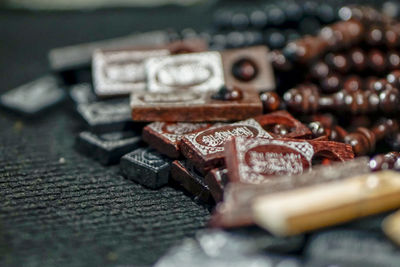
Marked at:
<point>181,128</point>
<point>206,150</point>
<point>244,145</point>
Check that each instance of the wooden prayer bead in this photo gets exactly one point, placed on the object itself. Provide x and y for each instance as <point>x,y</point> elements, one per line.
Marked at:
<point>343,34</point>
<point>306,99</point>
<point>305,49</point>
<point>352,83</point>
<point>279,61</point>
<point>339,62</point>
<point>317,129</point>
<point>363,140</point>
<point>331,84</point>
<point>357,59</point>
<point>376,60</point>
<point>394,78</point>
<point>392,35</point>
<point>389,161</point>
<point>374,36</point>
<point>319,70</point>
<point>270,101</point>
<point>393,60</point>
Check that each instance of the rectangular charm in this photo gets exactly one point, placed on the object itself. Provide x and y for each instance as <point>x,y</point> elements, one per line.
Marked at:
<point>34,97</point>
<point>205,149</point>
<point>165,136</point>
<point>247,69</point>
<point>189,106</point>
<point>194,183</point>
<point>121,72</point>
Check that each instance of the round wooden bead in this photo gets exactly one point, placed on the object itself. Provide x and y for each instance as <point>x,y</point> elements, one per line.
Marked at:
<point>386,161</point>
<point>358,59</point>
<point>337,134</point>
<point>352,83</point>
<point>228,94</point>
<point>279,61</point>
<point>331,84</point>
<point>338,62</point>
<point>305,49</point>
<point>271,101</point>
<point>376,60</point>
<point>385,128</point>
<point>362,141</point>
<point>369,83</point>
<point>280,129</point>
<point>380,85</point>
<point>392,36</point>
<point>303,99</point>
<point>389,100</point>
<point>393,60</point>
<point>319,70</point>
<point>394,78</point>
<point>244,70</point>
<point>343,33</point>
<point>375,35</point>
<point>317,129</point>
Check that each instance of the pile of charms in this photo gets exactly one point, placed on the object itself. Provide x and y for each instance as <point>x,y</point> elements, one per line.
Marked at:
<point>224,126</point>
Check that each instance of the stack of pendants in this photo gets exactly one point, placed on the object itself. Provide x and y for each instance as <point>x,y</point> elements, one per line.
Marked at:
<point>215,126</point>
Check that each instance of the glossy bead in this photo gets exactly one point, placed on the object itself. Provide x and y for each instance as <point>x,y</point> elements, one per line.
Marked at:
<point>235,39</point>
<point>258,19</point>
<point>228,94</point>
<point>331,84</point>
<point>279,61</point>
<point>270,100</point>
<point>352,83</point>
<point>338,62</point>
<point>305,49</point>
<point>394,78</point>
<point>376,60</point>
<point>244,70</point>
<point>240,21</point>
<point>319,70</point>
<point>317,129</point>
<point>275,39</point>
<point>293,12</point>
<point>280,129</point>
<point>375,36</point>
<point>357,59</point>
<point>303,98</point>
<point>276,16</point>
<point>380,85</point>
<point>389,100</point>
<point>362,141</point>
<point>393,60</point>
<point>392,36</point>
<point>369,83</point>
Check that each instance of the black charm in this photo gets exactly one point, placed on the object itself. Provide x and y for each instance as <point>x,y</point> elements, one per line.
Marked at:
<point>146,167</point>
<point>107,148</point>
<point>34,97</point>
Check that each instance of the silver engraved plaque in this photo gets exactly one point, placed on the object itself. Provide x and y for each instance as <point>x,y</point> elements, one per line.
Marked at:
<point>200,72</point>
<point>121,72</point>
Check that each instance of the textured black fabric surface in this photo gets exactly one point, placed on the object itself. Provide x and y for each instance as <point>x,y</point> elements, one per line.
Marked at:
<point>57,207</point>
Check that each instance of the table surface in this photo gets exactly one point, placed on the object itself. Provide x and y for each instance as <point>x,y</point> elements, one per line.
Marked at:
<point>59,208</point>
